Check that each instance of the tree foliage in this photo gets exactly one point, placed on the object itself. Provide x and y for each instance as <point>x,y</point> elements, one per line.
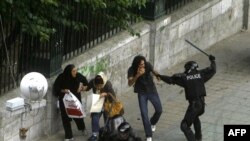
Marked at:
<point>35,17</point>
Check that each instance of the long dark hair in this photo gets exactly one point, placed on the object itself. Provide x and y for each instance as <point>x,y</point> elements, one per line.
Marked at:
<point>136,62</point>
<point>98,80</point>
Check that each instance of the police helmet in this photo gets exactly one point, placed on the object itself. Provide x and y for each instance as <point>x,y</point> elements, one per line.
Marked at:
<point>190,65</point>
<point>124,127</point>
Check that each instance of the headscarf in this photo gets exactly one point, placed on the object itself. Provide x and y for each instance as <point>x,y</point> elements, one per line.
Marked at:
<point>69,81</point>
<point>103,79</point>
<point>67,71</point>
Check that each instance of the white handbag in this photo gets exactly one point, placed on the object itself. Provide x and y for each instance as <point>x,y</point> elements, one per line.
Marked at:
<point>73,106</point>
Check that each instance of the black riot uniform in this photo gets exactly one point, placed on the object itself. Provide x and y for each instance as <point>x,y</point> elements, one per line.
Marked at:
<point>125,133</point>
<point>193,81</point>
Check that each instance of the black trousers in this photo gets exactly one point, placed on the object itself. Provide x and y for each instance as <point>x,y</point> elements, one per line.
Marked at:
<point>195,109</point>
<point>66,122</point>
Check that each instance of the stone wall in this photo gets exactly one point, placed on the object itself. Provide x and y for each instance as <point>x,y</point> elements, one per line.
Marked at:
<point>204,27</point>
<point>161,41</point>
<point>32,117</point>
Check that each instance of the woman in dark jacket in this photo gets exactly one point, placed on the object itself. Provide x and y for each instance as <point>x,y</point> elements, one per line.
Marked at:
<point>70,80</point>
<point>99,85</point>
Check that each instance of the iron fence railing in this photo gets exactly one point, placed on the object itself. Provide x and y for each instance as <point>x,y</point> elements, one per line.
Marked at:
<point>21,53</point>
<point>172,5</point>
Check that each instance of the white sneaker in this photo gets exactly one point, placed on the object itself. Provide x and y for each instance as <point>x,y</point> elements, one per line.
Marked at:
<point>149,139</point>
<point>153,127</point>
<point>72,139</point>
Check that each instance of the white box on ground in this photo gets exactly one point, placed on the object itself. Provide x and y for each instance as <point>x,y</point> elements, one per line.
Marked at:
<point>14,104</point>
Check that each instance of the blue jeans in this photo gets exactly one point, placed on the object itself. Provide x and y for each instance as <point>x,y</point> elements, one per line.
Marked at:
<point>143,99</point>
<point>95,117</point>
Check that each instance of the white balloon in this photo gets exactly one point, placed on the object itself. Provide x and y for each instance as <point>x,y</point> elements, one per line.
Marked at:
<point>33,86</point>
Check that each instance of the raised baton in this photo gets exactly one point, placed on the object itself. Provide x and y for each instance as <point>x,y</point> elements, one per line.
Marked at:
<point>196,47</point>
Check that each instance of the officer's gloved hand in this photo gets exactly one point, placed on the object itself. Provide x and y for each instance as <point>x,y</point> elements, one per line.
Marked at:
<point>158,76</point>
<point>211,58</point>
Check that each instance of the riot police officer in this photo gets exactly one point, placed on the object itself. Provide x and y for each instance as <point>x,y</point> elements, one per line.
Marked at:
<point>193,81</point>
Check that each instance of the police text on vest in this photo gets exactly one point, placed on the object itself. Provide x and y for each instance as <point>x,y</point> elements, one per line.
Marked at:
<point>194,76</point>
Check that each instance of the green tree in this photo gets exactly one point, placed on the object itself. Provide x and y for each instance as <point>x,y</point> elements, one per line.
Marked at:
<point>34,17</point>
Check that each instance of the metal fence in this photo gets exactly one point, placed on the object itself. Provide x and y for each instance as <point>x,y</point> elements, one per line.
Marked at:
<point>21,53</point>
<point>172,5</point>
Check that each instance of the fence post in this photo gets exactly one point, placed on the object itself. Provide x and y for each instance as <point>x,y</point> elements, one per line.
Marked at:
<point>56,58</point>
<point>153,9</point>
<point>245,15</point>
<point>52,63</point>
<point>56,52</point>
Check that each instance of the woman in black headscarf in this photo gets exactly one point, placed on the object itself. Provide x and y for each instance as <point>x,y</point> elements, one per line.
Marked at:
<point>70,80</point>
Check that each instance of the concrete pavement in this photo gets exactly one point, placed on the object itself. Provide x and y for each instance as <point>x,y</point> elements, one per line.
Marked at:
<point>227,100</point>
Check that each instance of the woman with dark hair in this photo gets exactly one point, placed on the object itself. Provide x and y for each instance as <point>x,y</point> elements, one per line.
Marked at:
<point>100,85</point>
<point>70,80</point>
<point>139,75</point>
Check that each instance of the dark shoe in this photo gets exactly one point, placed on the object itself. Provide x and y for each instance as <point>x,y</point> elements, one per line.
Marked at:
<point>92,138</point>
<point>198,139</point>
<point>84,132</point>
